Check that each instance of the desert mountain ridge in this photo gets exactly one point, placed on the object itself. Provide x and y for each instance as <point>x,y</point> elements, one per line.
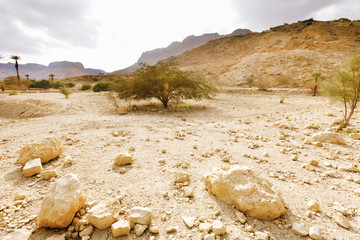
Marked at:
<point>61,70</point>
<point>283,55</point>
<point>177,48</point>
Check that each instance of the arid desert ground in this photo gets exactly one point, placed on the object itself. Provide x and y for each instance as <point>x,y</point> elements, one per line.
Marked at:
<point>234,128</point>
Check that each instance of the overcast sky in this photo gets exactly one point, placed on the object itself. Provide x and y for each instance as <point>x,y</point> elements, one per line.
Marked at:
<point>112,34</point>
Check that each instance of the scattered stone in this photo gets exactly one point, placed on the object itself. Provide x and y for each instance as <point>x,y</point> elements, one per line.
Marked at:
<point>357,192</point>
<point>300,229</point>
<point>355,136</point>
<point>313,126</point>
<point>188,191</point>
<point>315,233</point>
<point>154,229</point>
<point>181,177</point>
<point>87,231</point>
<point>123,159</point>
<point>171,229</point>
<point>209,237</point>
<point>294,158</point>
<point>350,169</point>
<point>317,144</point>
<point>189,221</point>
<point>314,163</point>
<point>328,137</point>
<point>341,209</point>
<point>261,236</point>
<point>205,227</point>
<point>341,220</point>
<point>307,141</point>
<point>59,206</point>
<point>243,188</point>
<point>332,173</point>
<point>48,174</point>
<point>47,149</point>
<point>19,196</point>
<point>140,215</point>
<point>140,229</point>
<point>218,227</point>
<point>32,167</point>
<point>313,206</point>
<point>121,110</point>
<point>240,217</point>
<point>122,170</point>
<point>120,228</point>
<point>104,214</point>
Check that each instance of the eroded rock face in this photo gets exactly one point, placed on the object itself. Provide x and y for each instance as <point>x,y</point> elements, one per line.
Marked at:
<point>61,203</point>
<point>104,214</point>
<point>47,149</point>
<point>241,187</point>
<point>328,137</point>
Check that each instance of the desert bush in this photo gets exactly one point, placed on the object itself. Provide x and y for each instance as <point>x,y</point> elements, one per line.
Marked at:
<point>44,84</point>
<point>66,91</point>
<point>58,84</point>
<point>102,86</point>
<point>313,82</point>
<point>85,87</point>
<point>165,82</point>
<point>344,87</point>
<point>12,83</point>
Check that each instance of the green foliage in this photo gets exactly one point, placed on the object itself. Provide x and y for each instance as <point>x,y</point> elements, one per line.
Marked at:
<point>58,85</point>
<point>165,82</point>
<point>85,87</point>
<point>44,84</point>
<point>344,87</point>
<point>64,90</point>
<point>103,86</point>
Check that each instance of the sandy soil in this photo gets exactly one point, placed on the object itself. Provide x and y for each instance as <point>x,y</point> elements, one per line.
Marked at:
<point>192,137</point>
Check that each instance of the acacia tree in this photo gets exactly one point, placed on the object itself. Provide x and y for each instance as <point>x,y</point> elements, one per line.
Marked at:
<point>344,87</point>
<point>52,79</point>
<point>165,82</point>
<point>16,58</point>
<point>316,77</point>
<point>27,76</point>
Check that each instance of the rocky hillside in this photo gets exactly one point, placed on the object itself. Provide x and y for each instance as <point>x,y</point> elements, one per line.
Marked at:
<point>283,55</point>
<point>177,48</point>
<point>61,70</point>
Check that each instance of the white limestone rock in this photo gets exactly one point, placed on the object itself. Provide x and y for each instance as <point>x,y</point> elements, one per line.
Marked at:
<point>120,228</point>
<point>300,229</point>
<point>243,188</point>
<point>32,167</point>
<point>328,137</point>
<point>218,227</point>
<point>47,149</point>
<point>59,206</point>
<point>104,214</point>
<point>140,215</point>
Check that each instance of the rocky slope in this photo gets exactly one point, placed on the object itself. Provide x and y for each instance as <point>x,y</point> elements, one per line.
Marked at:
<point>61,70</point>
<point>284,55</point>
<point>177,48</point>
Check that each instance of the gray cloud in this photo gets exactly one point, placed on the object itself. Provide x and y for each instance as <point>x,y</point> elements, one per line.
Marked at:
<point>64,20</point>
<point>262,14</point>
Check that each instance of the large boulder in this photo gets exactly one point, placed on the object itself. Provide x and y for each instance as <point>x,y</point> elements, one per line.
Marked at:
<point>104,214</point>
<point>243,188</point>
<point>47,149</point>
<point>328,137</point>
<point>61,203</point>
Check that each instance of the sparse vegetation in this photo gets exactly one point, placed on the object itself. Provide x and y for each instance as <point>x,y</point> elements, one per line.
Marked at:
<point>165,82</point>
<point>52,79</point>
<point>66,91</point>
<point>58,85</point>
<point>12,83</point>
<point>44,84</point>
<point>344,87</point>
<point>102,86</point>
<point>313,82</point>
<point>85,87</point>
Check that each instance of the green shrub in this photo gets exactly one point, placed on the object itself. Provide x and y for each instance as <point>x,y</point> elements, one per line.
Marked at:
<point>44,84</point>
<point>85,87</point>
<point>102,86</point>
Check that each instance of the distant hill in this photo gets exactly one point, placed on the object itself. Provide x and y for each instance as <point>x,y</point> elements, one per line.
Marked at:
<point>61,70</point>
<point>284,54</point>
<point>177,48</point>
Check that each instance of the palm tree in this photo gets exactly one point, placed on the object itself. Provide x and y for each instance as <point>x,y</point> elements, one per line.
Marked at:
<point>27,76</point>
<point>52,79</point>
<point>16,58</point>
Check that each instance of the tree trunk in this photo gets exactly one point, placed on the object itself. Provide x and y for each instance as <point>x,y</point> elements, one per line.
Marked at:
<point>17,73</point>
<point>165,103</point>
<point>315,88</point>
<point>52,82</point>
